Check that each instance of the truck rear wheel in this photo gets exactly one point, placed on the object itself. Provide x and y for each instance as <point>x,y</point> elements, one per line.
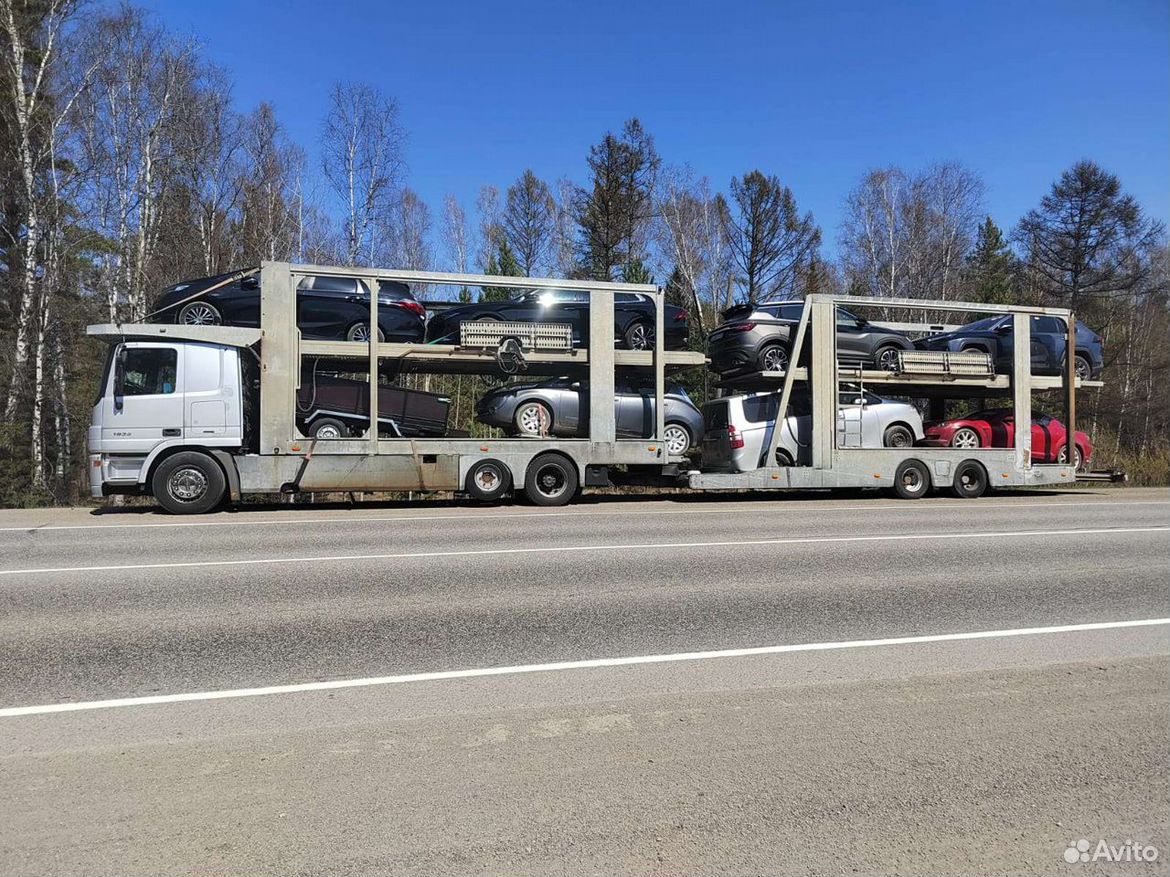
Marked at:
<point>912,480</point>
<point>488,480</point>
<point>551,480</point>
<point>970,481</point>
<point>188,483</point>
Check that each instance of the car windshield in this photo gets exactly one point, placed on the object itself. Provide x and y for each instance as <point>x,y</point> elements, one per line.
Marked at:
<point>990,414</point>
<point>984,325</point>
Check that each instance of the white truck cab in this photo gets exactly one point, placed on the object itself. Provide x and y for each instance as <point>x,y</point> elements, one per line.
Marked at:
<point>157,396</point>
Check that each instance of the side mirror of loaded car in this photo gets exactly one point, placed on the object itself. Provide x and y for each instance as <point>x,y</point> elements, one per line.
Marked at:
<point>1003,328</point>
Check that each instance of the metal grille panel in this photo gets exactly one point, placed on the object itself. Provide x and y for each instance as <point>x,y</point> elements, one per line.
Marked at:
<point>971,363</point>
<point>532,336</point>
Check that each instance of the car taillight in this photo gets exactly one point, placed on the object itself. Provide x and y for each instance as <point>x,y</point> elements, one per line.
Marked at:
<point>740,327</point>
<point>412,306</point>
<point>681,317</point>
<point>734,438</point>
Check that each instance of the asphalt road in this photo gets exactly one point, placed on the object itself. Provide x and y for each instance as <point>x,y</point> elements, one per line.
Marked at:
<point>959,754</point>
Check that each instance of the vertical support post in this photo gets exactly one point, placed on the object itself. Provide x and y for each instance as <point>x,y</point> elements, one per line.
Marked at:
<point>1022,388</point>
<point>1070,388</point>
<point>280,358</point>
<point>822,380</point>
<point>795,347</point>
<point>372,445</point>
<point>602,425</point>
<point>660,368</point>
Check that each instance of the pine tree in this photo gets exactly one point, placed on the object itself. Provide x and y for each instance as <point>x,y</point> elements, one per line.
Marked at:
<point>991,267</point>
<point>635,271</point>
<point>503,263</point>
<point>613,214</point>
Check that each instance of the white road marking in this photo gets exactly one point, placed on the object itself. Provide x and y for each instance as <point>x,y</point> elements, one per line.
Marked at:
<point>592,663</point>
<point>562,549</point>
<point>243,519</point>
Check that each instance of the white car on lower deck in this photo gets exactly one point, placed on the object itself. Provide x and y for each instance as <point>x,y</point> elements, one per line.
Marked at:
<point>740,429</point>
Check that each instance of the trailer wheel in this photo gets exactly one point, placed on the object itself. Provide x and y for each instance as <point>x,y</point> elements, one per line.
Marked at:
<point>551,480</point>
<point>912,479</point>
<point>970,481</point>
<point>488,481</point>
<point>188,483</point>
<point>328,428</point>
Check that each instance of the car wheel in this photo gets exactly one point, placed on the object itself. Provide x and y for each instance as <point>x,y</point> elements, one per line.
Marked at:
<point>360,332</point>
<point>773,358</point>
<point>784,459</point>
<point>887,359</point>
<point>677,439</point>
<point>488,480</point>
<point>551,480</point>
<point>970,480</point>
<point>1078,459</point>
<point>188,483</point>
<point>1083,367</point>
<point>912,479</point>
<point>532,419</point>
<point>965,437</point>
<point>639,336</point>
<point>898,436</point>
<point>328,428</point>
<point>200,313</point>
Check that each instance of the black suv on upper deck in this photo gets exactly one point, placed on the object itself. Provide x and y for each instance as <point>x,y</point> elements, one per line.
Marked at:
<point>758,337</point>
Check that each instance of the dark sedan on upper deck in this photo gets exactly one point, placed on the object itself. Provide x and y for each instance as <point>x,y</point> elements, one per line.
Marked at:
<point>994,336</point>
<point>328,307</point>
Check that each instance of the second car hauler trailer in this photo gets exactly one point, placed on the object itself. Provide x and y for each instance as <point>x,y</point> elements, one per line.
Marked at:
<point>200,415</point>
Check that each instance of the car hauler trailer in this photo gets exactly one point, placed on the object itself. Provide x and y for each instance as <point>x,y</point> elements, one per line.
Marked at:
<point>196,415</point>
<point>837,460</point>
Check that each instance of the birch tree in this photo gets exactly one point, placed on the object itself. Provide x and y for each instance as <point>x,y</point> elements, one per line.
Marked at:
<point>31,39</point>
<point>361,156</point>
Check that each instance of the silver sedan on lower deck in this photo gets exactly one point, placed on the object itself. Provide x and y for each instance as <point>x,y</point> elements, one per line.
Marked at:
<point>560,407</point>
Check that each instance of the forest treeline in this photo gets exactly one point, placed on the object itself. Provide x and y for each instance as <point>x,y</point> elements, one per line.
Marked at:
<point>126,166</point>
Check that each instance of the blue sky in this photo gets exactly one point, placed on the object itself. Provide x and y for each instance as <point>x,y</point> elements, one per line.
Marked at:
<point>816,93</point>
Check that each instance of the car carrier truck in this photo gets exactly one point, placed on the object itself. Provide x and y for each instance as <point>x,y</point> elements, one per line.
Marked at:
<point>200,416</point>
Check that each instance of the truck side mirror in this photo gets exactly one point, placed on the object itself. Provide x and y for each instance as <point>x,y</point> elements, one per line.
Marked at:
<point>119,377</point>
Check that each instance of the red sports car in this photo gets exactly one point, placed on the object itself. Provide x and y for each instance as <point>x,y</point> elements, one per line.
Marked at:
<point>996,428</point>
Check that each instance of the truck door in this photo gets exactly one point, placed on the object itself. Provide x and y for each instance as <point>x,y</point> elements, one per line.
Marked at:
<point>204,399</point>
<point>143,404</point>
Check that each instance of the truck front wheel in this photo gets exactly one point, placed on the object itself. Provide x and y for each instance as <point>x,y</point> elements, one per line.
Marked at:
<point>188,483</point>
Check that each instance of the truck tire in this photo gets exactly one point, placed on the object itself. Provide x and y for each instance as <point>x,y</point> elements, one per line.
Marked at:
<point>551,480</point>
<point>488,481</point>
<point>970,481</point>
<point>911,480</point>
<point>188,483</point>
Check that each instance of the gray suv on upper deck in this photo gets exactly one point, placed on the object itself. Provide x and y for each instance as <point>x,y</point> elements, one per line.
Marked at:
<point>758,337</point>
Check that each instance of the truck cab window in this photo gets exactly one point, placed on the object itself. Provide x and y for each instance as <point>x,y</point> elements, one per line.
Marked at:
<point>149,371</point>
